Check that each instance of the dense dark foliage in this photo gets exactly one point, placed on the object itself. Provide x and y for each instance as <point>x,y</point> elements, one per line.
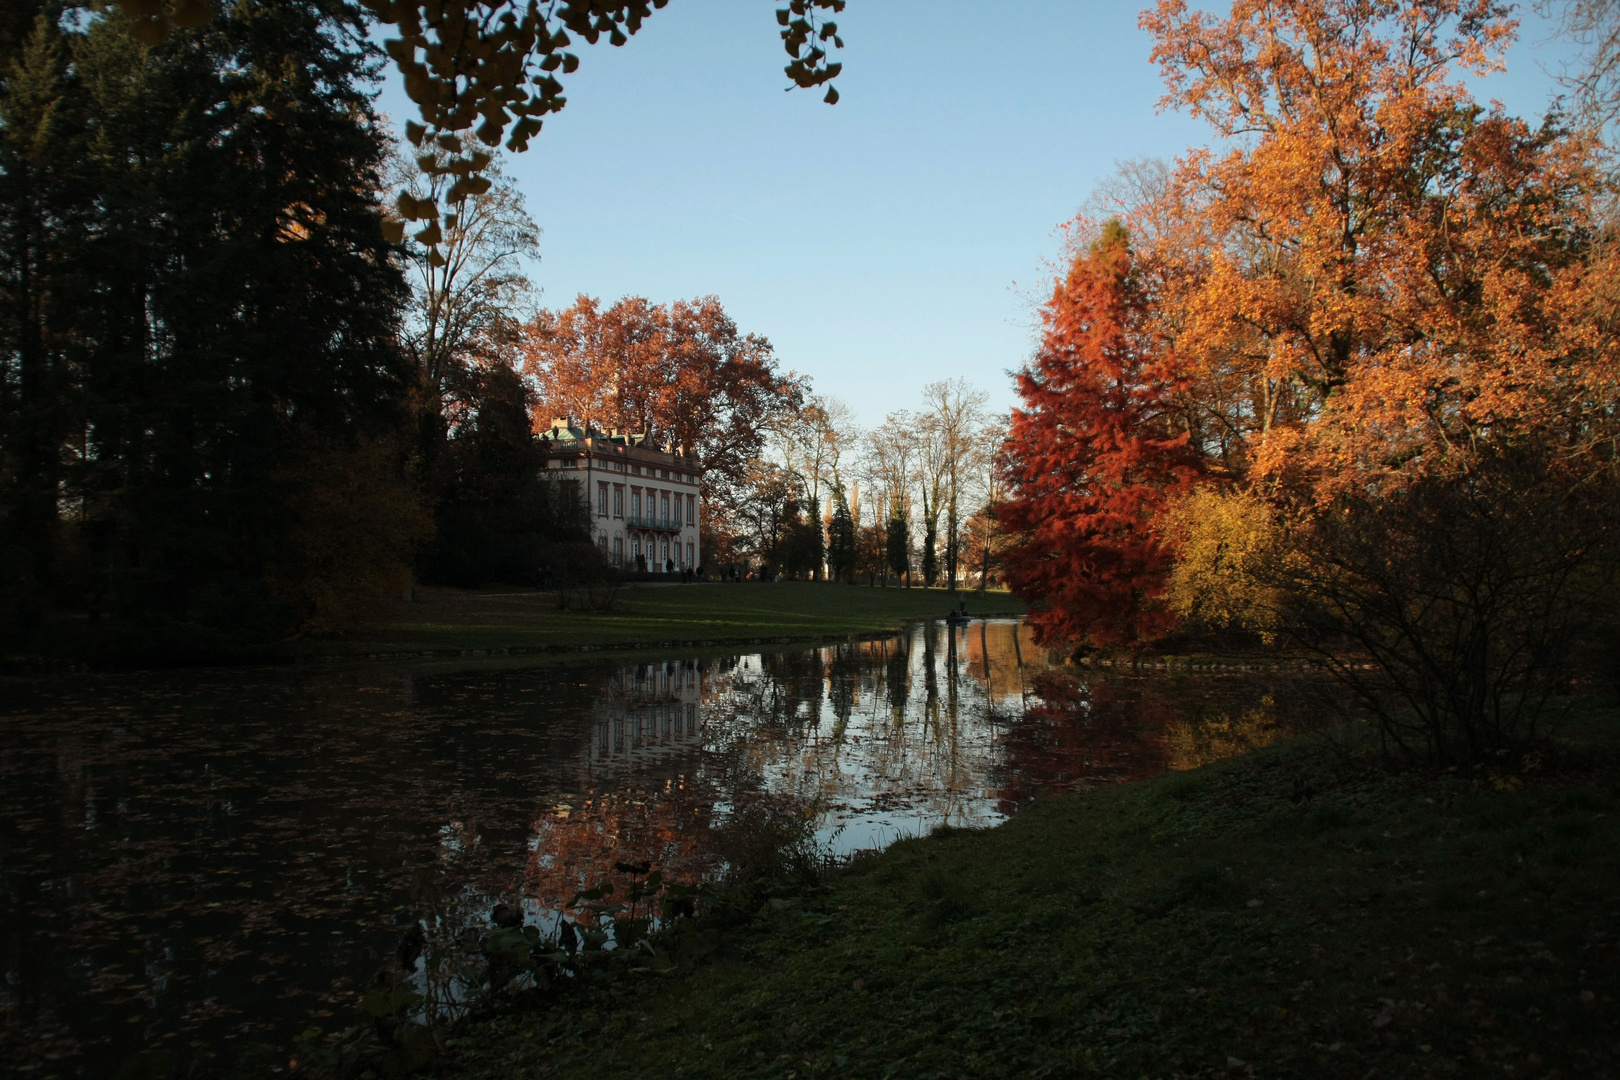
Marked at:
<point>841,541</point>
<point>495,517</point>
<point>199,381</point>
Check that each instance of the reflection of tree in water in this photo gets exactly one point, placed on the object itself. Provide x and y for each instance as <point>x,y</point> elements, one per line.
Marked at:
<point>890,739</point>
<point>171,840</point>
<point>1087,730</point>
<point>1002,656</point>
<point>575,848</point>
<point>897,675</point>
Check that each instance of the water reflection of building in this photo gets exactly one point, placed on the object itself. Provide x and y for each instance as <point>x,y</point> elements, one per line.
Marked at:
<point>639,795</point>
<point>649,712</point>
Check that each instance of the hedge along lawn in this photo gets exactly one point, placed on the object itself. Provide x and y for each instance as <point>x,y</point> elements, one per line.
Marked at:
<point>650,615</point>
<point>1280,915</point>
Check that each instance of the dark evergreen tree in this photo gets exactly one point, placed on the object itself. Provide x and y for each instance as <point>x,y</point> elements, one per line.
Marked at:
<point>811,543</point>
<point>930,558</point>
<point>41,215</point>
<point>899,548</point>
<point>841,541</point>
<point>494,514</point>
<point>207,382</point>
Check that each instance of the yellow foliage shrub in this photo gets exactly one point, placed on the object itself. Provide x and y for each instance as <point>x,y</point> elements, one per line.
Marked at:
<point>1224,540</point>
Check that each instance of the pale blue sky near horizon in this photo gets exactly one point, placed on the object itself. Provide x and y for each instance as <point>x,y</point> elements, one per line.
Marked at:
<point>898,237</point>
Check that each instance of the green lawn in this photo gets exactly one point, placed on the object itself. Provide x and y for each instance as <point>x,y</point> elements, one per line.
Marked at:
<point>447,620</point>
<point>1280,915</point>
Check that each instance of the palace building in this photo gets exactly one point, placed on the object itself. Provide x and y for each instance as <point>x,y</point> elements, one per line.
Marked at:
<point>642,499</point>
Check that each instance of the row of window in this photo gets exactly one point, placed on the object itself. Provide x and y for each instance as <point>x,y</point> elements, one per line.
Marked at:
<point>618,466</point>
<point>658,556</point>
<point>635,503</point>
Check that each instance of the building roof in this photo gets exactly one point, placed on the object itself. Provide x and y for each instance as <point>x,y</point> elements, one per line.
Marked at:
<point>564,434</point>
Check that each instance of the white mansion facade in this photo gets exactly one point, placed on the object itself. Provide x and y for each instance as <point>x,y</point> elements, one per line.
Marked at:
<point>642,500</point>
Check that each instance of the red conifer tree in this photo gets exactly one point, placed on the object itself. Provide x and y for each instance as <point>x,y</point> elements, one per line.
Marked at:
<point>1095,454</point>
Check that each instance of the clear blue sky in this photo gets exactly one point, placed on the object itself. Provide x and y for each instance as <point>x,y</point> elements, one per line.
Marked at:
<point>893,239</point>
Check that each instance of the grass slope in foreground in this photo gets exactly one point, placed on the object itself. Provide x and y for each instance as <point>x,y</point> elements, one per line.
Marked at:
<point>1279,915</point>
<point>447,619</point>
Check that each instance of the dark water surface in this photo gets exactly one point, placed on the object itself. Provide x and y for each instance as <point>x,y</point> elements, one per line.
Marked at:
<point>215,861</point>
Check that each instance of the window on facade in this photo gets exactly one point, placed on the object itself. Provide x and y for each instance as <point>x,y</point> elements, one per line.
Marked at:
<point>635,502</point>
<point>601,500</point>
<point>665,559</point>
<point>618,550</point>
<point>601,542</point>
<point>691,509</point>
<point>618,500</point>
<point>689,562</point>
<point>665,501</point>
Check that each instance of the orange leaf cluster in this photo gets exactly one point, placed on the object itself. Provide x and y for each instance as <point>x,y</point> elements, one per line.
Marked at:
<point>1375,278</point>
<point>1369,280</point>
<point>682,371</point>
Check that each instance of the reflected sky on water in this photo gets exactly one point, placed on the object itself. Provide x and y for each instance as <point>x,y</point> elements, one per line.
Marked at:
<point>214,861</point>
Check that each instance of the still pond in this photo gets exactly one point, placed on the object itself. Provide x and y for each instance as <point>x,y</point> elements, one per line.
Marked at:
<point>216,861</point>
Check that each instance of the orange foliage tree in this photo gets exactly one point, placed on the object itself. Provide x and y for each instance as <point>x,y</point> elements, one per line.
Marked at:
<point>682,370</point>
<point>1378,257</point>
<point>1392,303</point>
<point>1096,450</point>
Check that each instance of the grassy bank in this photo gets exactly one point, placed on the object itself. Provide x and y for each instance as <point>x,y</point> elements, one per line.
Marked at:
<point>449,620</point>
<point>1285,914</point>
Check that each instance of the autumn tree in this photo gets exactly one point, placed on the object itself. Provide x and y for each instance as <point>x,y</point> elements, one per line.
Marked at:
<point>683,371</point>
<point>766,512</point>
<point>1096,451</point>
<point>931,465</point>
<point>1381,246</point>
<point>888,462</point>
<point>871,553</point>
<point>985,532</point>
<point>1400,300</point>
<point>953,413</point>
<point>470,288</point>
<point>816,442</point>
